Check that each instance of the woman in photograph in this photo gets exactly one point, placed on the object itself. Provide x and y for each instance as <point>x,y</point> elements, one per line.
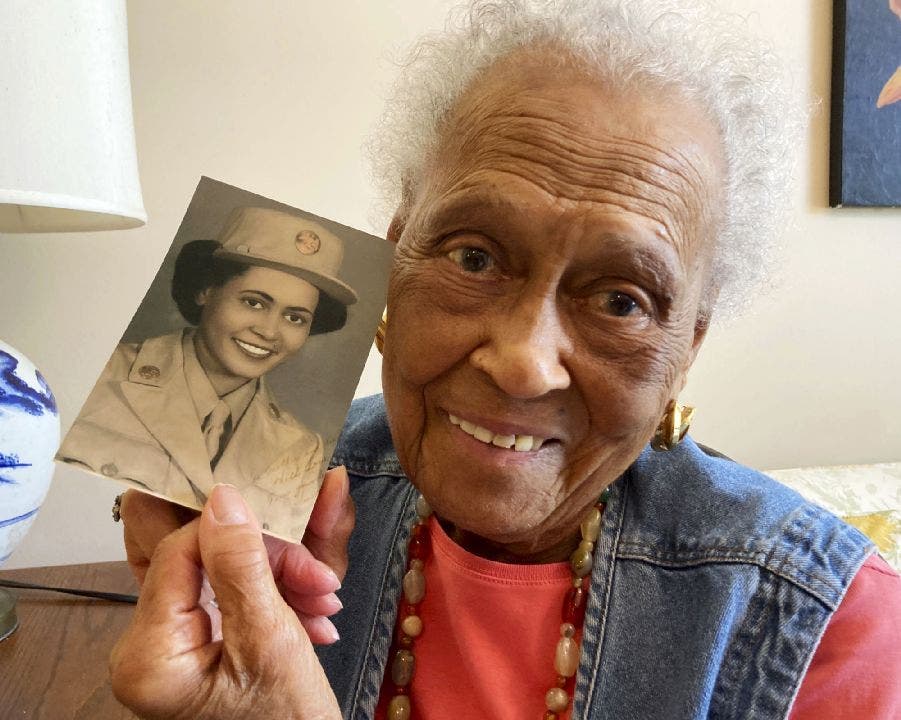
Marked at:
<point>178,413</point>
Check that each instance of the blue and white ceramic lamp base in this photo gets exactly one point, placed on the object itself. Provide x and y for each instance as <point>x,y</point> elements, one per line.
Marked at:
<point>29,438</point>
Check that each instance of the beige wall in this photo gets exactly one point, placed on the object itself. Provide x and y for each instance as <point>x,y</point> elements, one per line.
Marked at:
<point>277,97</point>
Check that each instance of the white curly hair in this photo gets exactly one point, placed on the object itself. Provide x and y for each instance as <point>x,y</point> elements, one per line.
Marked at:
<point>688,45</point>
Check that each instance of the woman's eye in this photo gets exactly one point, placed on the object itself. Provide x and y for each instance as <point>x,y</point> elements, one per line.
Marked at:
<point>620,304</point>
<point>253,303</point>
<point>472,259</point>
<point>296,319</point>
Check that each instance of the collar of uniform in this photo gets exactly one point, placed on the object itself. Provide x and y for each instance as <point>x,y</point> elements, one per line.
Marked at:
<point>157,359</point>
<point>238,400</point>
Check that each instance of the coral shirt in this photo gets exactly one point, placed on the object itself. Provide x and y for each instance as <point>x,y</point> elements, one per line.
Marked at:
<point>856,670</point>
<point>480,614</point>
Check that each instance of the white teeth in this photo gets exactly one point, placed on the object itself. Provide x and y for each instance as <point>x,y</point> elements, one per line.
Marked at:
<point>519,443</point>
<point>523,443</point>
<point>483,434</point>
<point>253,349</point>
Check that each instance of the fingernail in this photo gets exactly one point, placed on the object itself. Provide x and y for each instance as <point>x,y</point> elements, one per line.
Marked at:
<point>331,630</point>
<point>227,505</point>
<point>332,574</point>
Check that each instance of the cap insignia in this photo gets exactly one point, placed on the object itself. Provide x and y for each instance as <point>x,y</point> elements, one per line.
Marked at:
<point>307,242</point>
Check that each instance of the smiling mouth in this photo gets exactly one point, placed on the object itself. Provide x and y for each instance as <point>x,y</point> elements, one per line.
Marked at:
<point>517,443</point>
<point>254,351</point>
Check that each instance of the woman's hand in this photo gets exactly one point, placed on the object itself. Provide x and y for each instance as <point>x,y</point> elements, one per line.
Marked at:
<point>308,574</point>
<point>169,666</point>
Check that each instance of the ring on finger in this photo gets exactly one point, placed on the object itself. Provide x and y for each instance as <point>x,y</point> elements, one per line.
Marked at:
<point>117,508</point>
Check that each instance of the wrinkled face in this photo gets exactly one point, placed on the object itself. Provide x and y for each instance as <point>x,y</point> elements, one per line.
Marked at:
<point>252,323</point>
<point>545,302</point>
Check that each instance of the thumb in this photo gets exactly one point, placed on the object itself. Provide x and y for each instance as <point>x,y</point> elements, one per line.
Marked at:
<point>237,564</point>
<point>267,658</point>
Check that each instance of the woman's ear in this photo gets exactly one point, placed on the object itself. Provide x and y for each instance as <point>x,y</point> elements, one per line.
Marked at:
<point>202,297</point>
<point>396,228</point>
<point>702,320</point>
<point>702,325</point>
<point>402,213</point>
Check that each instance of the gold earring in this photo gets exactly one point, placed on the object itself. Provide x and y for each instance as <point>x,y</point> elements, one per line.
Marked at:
<point>673,427</point>
<point>380,333</point>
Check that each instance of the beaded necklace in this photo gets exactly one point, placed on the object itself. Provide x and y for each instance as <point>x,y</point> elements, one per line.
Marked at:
<point>410,627</point>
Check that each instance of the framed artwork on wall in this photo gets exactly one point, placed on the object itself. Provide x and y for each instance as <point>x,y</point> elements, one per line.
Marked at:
<point>865,153</point>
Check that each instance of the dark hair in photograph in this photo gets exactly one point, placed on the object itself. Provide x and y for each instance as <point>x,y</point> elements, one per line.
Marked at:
<point>197,269</point>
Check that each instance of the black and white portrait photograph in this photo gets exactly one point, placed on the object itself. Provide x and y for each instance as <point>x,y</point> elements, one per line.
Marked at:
<point>240,363</point>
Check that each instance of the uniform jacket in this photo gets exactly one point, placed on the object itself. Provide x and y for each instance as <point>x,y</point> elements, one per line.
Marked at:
<point>139,424</point>
<point>712,585</point>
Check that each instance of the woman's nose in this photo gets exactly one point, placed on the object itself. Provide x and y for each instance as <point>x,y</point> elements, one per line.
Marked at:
<point>525,352</point>
<point>266,326</point>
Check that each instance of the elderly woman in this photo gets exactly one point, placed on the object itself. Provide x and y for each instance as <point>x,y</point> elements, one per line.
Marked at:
<point>587,183</point>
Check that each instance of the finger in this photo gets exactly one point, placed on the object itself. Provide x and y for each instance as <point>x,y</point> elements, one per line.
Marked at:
<point>325,605</point>
<point>208,602</point>
<point>147,521</point>
<point>329,502</point>
<point>332,522</point>
<point>264,647</point>
<point>167,624</point>
<point>320,630</point>
<point>174,579</point>
<point>295,568</point>
<point>255,619</point>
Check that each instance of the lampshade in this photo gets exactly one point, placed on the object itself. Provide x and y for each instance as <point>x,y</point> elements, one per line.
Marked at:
<point>67,145</point>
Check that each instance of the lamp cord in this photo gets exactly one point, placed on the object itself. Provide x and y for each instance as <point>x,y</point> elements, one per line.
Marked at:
<point>97,595</point>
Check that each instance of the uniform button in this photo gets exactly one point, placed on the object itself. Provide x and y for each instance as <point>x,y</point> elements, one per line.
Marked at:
<point>265,526</point>
<point>110,470</point>
<point>149,372</point>
<point>274,411</point>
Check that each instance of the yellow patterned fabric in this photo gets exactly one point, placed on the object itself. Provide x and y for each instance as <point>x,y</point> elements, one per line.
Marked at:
<point>865,496</point>
<point>883,528</point>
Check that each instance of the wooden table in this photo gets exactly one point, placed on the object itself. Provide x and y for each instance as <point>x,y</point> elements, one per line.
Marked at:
<point>55,665</point>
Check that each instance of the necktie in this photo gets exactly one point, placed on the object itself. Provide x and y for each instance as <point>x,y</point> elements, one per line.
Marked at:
<point>217,427</point>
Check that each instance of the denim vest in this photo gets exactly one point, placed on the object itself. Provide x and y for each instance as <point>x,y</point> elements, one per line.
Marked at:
<point>712,585</point>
